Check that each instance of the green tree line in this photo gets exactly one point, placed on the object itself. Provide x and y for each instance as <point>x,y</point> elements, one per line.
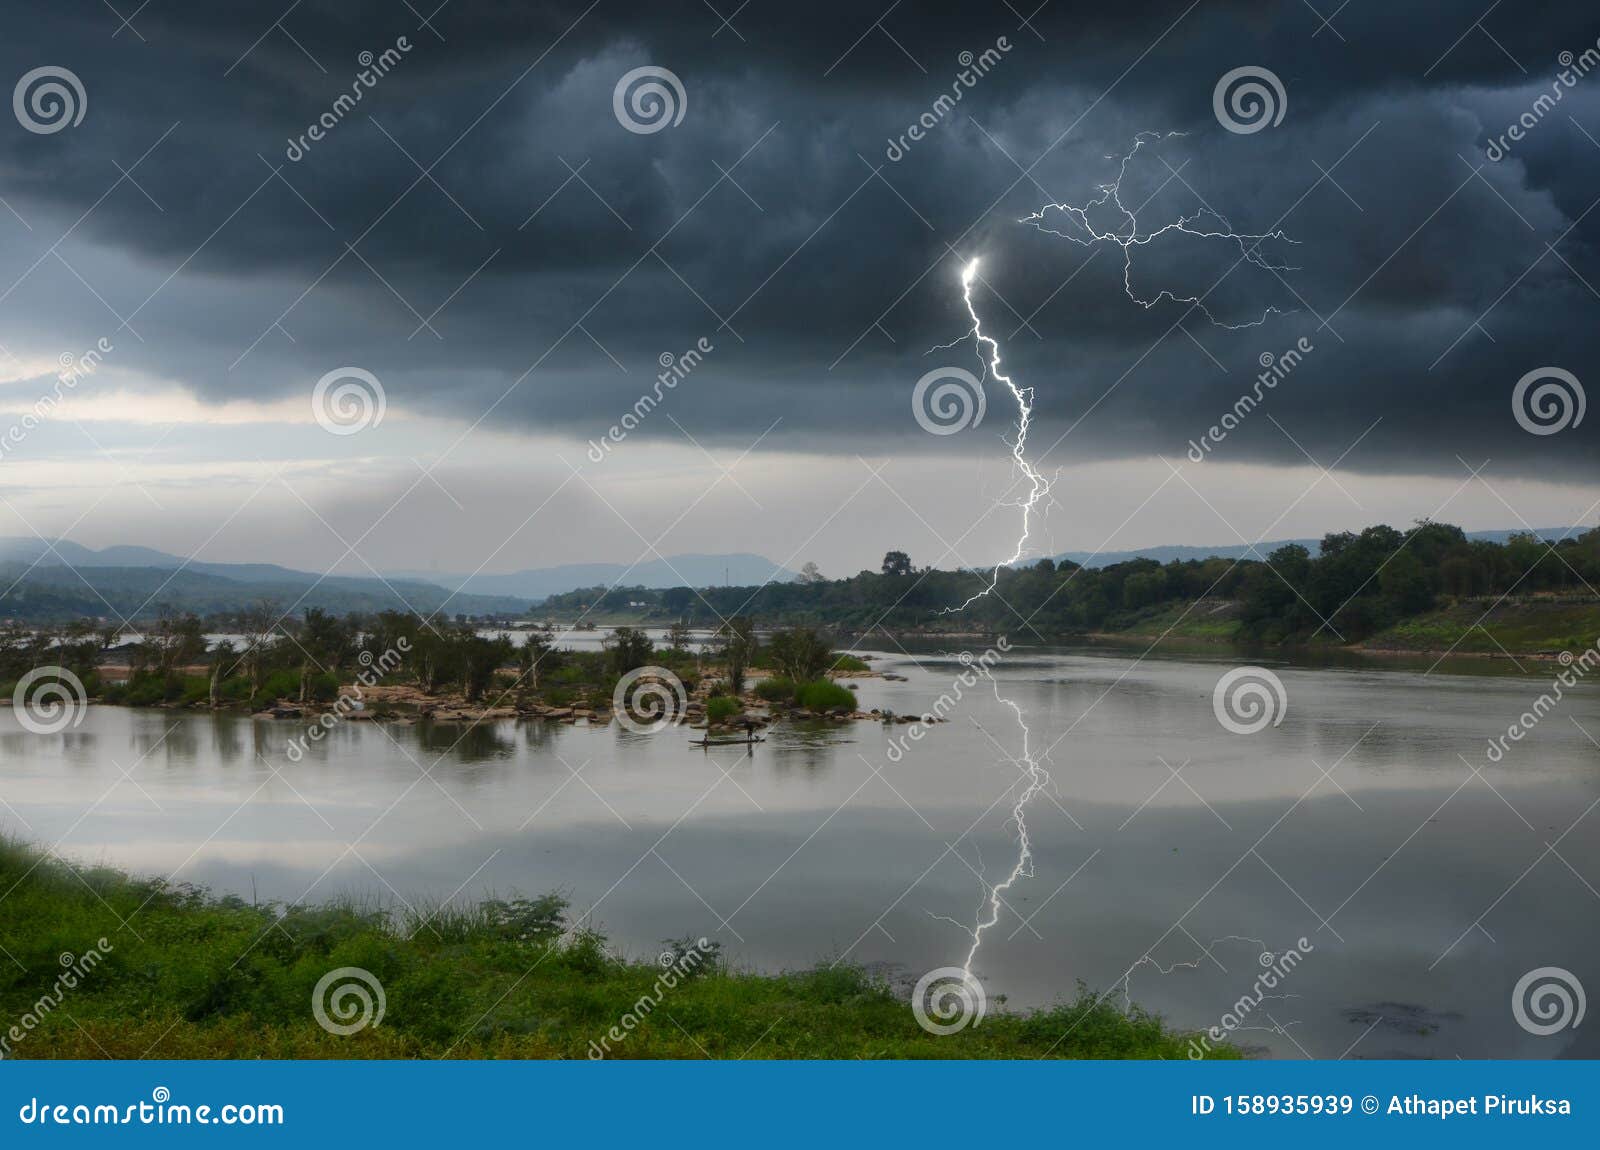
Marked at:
<point>1359,584</point>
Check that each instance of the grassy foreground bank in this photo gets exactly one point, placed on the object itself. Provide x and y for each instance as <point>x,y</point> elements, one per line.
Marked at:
<point>195,976</point>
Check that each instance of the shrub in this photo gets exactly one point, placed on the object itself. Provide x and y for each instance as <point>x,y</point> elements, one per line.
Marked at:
<point>323,688</point>
<point>196,689</point>
<point>721,708</point>
<point>825,695</point>
<point>777,690</point>
<point>147,690</point>
<point>279,685</point>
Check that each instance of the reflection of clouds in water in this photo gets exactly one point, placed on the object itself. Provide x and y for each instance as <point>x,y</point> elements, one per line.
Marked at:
<point>553,832</point>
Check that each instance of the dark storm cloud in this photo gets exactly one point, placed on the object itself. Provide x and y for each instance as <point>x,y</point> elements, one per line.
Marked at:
<point>820,284</point>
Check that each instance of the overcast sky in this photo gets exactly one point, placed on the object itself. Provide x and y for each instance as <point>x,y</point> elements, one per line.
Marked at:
<point>506,245</point>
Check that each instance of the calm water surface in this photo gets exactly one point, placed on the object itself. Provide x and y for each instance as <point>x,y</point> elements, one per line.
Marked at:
<point>1168,854</point>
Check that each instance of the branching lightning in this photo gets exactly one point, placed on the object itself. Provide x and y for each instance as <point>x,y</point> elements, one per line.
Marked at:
<point>1206,224</point>
<point>1266,957</point>
<point>1125,233</point>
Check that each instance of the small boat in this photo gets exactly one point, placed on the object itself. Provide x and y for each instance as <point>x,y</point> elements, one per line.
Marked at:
<point>727,742</point>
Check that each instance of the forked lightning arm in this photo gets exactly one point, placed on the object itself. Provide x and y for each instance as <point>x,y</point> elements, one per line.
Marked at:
<point>1126,235</point>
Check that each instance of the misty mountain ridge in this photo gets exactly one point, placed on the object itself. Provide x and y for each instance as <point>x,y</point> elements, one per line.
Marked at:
<point>736,570</point>
<point>480,594</point>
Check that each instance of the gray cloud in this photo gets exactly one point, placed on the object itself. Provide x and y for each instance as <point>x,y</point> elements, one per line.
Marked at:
<point>820,284</point>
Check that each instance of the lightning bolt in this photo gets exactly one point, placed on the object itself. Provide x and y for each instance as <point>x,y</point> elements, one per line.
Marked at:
<point>988,350</point>
<point>1038,779</point>
<point>1038,486</point>
<point>1206,224</point>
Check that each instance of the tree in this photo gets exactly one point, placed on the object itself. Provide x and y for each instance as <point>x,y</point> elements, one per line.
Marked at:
<point>258,625</point>
<point>324,642</point>
<point>679,636</point>
<point>175,641</point>
<point>1404,582</point>
<point>1143,588</point>
<point>534,653</point>
<point>801,653</point>
<point>437,660</point>
<point>896,563</point>
<point>480,659</point>
<point>738,645</point>
<point>630,649</point>
<point>810,574</point>
<point>678,600</point>
<point>222,661</point>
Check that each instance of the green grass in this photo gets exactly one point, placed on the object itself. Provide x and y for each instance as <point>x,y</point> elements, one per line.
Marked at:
<point>1521,628</point>
<point>195,976</point>
<point>1201,621</point>
<point>1524,627</point>
<point>777,690</point>
<point>825,695</point>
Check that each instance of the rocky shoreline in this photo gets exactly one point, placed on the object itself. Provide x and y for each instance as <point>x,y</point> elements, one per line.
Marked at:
<point>405,705</point>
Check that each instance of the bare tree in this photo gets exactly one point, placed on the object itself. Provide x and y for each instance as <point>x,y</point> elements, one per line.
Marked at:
<point>258,625</point>
<point>738,646</point>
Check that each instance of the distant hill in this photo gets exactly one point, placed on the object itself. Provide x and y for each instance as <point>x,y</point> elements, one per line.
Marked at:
<point>1182,554</point>
<point>40,582</point>
<point>62,579</point>
<point>738,570</point>
<point>27,549</point>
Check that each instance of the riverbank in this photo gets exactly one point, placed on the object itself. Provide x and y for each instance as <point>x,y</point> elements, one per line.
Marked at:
<point>1528,628</point>
<point>178,973</point>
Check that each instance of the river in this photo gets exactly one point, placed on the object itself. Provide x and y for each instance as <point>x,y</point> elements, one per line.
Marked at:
<point>1174,859</point>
